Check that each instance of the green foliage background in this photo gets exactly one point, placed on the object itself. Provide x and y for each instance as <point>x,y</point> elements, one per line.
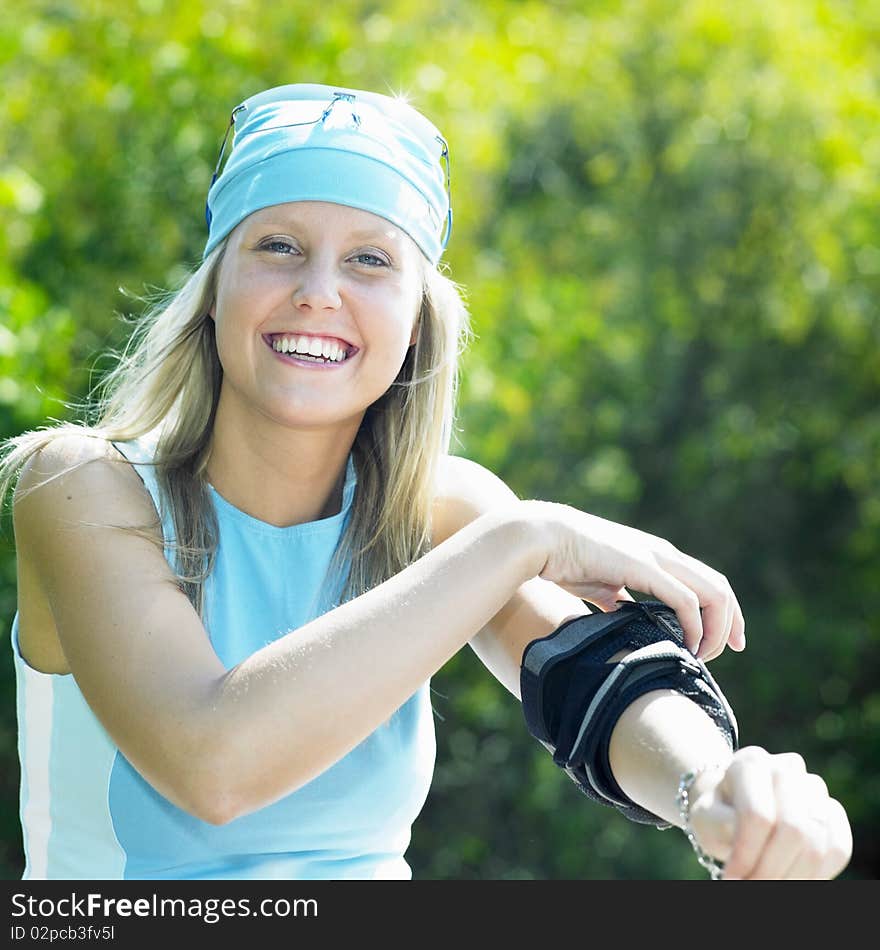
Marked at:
<point>666,220</point>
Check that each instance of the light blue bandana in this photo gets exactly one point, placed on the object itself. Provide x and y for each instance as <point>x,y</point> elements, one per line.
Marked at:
<point>326,143</point>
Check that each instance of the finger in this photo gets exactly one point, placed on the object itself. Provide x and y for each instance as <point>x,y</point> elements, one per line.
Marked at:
<point>730,629</point>
<point>808,852</point>
<point>711,653</point>
<point>714,824</point>
<point>681,599</point>
<point>714,594</point>
<point>840,842</point>
<point>644,574</point>
<point>708,651</point>
<point>834,832</point>
<point>790,761</point>
<point>737,639</point>
<point>619,598</point>
<point>715,630</point>
<point>816,833</point>
<point>606,597</point>
<point>748,787</point>
<point>797,845</point>
<point>624,597</point>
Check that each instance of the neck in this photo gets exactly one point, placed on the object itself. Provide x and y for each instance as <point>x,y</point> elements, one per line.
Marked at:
<point>281,475</point>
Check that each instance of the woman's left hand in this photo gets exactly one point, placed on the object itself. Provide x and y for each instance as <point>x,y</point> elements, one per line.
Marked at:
<point>767,818</point>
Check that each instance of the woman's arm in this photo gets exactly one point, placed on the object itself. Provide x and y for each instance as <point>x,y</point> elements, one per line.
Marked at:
<point>223,743</point>
<point>763,814</point>
<point>467,490</point>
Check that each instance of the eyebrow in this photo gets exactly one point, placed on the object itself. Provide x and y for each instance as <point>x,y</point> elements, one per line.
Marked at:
<point>361,234</point>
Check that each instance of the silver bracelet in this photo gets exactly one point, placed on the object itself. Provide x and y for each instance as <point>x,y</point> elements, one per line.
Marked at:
<point>684,810</point>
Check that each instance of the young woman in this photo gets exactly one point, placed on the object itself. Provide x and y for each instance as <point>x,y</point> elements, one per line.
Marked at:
<point>236,581</point>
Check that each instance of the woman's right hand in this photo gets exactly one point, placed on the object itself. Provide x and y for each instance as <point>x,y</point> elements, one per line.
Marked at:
<point>597,560</point>
<point>768,818</point>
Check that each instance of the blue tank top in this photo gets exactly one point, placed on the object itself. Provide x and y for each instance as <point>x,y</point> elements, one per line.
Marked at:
<point>86,813</point>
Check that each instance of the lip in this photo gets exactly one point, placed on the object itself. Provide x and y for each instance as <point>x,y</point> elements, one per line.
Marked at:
<point>308,364</point>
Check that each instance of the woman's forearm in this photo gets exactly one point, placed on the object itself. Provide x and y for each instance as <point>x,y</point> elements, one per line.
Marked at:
<point>657,738</point>
<point>764,816</point>
<point>298,705</point>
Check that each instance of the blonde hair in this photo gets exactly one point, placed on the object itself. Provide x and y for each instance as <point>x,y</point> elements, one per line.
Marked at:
<point>167,379</point>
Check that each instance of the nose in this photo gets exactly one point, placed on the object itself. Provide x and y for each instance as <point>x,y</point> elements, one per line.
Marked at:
<point>317,286</point>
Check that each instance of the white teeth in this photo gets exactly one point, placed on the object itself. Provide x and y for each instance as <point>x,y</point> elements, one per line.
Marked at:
<point>310,346</point>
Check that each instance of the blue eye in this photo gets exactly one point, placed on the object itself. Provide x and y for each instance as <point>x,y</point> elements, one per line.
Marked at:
<point>371,260</point>
<point>274,245</point>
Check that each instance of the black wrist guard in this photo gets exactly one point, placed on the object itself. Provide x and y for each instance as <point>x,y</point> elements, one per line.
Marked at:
<point>572,696</point>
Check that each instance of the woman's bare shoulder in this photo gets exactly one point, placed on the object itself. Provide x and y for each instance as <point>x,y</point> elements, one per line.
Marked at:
<point>76,464</point>
<point>69,486</point>
<point>465,490</point>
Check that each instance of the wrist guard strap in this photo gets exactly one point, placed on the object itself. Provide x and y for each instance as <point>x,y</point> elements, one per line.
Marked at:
<point>572,696</point>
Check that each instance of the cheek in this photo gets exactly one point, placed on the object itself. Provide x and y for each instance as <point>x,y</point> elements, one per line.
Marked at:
<point>399,335</point>
<point>231,333</point>
<point>237,308</point>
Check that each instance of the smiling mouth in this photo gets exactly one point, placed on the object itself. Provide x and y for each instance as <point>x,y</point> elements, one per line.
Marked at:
<point>304,359</point>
